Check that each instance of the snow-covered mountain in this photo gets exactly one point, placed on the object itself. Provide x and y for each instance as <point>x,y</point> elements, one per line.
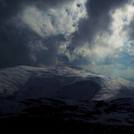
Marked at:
<point>61,81</point>
<point>107,100</point>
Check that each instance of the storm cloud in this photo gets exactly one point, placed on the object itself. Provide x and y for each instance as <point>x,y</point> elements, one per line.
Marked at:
<point>75,31</point>
<point>104,33</point>
<point>31,30</point>
<point>99,20</point>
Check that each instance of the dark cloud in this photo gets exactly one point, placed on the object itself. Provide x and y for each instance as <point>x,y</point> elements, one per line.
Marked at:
<point>99,20</point>
<point>14,48</point>
<point>14,40</point>
<point>49,56</point>
<point>8,7</point>
<point>131,30</point>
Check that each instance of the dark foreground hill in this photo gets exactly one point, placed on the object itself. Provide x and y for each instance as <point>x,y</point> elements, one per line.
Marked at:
<point>65,100</point>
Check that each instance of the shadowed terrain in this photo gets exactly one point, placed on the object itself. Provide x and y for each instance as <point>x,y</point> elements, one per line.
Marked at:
<point>69,100</point>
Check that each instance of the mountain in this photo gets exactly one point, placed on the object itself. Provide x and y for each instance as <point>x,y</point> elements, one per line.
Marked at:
<point>66,94</point>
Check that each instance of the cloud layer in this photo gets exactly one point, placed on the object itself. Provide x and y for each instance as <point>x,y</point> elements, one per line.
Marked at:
<point>82,32</point>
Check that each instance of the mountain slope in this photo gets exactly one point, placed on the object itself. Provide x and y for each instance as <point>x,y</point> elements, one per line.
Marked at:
<point>67,93</point>
<point>61,81</point>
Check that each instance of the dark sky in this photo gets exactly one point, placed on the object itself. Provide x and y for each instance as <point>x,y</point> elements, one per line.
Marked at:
<point>36,32</point>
